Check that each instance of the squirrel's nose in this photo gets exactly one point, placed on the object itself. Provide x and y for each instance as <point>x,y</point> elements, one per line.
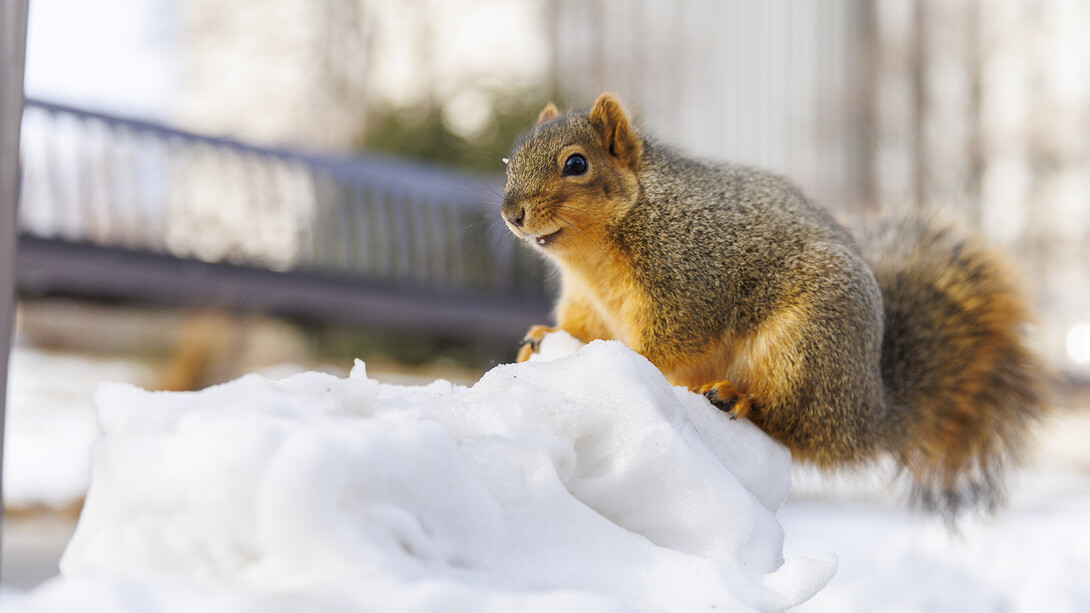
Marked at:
<point>517,217</point>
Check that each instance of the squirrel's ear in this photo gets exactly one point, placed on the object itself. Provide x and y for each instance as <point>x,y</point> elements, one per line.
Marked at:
<point>612,123</point>
<point>549,112</point>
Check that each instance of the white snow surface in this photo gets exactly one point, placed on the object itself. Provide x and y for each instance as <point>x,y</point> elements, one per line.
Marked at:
<point>581,481</point>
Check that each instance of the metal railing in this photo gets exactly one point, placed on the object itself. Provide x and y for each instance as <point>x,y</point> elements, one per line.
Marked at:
<point>93,178</point>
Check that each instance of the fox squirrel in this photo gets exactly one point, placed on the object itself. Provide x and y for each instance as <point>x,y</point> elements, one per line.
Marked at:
<point>735,285</point>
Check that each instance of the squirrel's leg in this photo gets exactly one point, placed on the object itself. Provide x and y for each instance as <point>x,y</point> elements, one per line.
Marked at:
<point>727,398</point>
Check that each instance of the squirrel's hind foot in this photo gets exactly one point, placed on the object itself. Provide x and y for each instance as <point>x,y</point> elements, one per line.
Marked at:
<point>726,398</point>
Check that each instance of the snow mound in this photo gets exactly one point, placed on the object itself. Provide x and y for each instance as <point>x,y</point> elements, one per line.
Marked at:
<point>580,481</point>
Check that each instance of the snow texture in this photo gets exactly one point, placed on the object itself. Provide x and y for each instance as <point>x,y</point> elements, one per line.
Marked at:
<point>581,481</point>
<point>1034,560</point>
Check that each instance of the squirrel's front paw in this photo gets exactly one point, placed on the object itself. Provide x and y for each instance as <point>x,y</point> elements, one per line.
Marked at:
<point>532,341</point>
<point>726,398</point>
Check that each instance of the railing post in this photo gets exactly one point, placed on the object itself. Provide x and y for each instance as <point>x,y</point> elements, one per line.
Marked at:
<point>13,17</point>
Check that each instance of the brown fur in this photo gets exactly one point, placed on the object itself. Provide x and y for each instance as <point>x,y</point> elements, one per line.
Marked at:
<point>961,415</point>
<point>548,113</point>
<point>733,284</point>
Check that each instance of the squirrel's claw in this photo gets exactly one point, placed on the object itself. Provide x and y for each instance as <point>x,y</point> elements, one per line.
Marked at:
<point>532,342</point>
<point>726,398</point>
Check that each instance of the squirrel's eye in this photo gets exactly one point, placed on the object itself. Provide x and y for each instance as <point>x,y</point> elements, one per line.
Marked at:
<point>576,164</point>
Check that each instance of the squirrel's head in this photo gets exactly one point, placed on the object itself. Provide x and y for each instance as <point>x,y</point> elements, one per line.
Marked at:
<point>572,175</point>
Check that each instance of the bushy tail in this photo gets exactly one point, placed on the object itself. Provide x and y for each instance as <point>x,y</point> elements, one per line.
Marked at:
<point>961,385</point>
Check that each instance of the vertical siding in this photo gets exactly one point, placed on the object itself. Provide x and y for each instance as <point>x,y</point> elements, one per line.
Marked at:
<point>982,109</point>
<point>763,83</point>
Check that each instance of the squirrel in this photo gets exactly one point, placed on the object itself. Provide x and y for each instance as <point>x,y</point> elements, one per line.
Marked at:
<point>909,342</point>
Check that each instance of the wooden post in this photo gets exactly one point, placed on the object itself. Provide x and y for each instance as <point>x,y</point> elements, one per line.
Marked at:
<point>13,16</point>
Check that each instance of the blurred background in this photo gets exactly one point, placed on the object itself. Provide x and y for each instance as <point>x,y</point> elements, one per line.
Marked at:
<point>213,188</point>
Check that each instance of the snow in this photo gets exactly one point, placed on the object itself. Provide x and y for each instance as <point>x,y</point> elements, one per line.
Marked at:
<point>51,424</point>
<point>1035,559</point>
<point>1033,556</point>
<point>581,481</point>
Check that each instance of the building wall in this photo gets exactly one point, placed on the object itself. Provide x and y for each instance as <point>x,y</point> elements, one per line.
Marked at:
<point>981,109</point>
<point>771,83</point>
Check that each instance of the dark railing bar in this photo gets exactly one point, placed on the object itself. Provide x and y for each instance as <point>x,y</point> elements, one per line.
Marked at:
<point>384,264</point>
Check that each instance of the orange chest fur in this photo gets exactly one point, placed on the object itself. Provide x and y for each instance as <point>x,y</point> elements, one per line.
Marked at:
<point>605,282</point>
<point>627,313</point>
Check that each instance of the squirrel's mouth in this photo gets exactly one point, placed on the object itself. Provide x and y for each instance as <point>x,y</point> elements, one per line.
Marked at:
<point>546,239</point>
